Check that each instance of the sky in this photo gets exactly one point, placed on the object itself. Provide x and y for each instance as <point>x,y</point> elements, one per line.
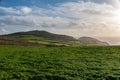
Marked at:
<point>93,18</point>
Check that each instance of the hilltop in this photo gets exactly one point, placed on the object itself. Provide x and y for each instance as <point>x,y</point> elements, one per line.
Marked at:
<point>91,41</point>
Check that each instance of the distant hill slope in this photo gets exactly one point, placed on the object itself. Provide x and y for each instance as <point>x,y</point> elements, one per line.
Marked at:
<point>91,41</point>
<point>42,34</point>
<point>47,38</point>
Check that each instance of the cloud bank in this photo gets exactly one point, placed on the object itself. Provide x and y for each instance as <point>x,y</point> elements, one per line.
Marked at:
<point>82,18</point>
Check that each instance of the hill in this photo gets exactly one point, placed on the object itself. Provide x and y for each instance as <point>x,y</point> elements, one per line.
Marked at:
<point>91,41</point>
<point>42,34</point>
<point>46,38</point>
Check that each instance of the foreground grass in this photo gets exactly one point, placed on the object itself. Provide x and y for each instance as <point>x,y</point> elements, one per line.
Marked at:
<point>59,63</point>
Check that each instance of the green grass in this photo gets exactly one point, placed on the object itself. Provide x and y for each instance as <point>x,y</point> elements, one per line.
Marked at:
<point>40,40</point>
<point>59,63</point>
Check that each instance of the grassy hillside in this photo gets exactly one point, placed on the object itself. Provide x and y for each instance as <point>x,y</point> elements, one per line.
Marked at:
<point>47,38</point>
<point>59,63</point>
<point>40,37</point>
<point>41,34</point>
<point>91,41</point>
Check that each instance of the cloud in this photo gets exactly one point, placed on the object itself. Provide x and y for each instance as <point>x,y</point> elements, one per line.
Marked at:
<point>72,18</point>
<point>26,10</point>
<point>115,3</point>
<point>9,10</point>
<point>15,11</point>
<point>3,31</point>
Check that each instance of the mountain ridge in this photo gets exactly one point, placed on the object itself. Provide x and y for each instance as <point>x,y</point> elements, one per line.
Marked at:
<point>43,34</point>
<point>44,37</point>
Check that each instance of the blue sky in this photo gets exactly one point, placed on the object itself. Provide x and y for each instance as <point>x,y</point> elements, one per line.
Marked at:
<point>40,3</point>
<point>94,18</point>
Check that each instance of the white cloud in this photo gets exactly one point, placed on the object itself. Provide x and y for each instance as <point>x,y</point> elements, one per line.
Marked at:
<point>9,10</point>
<point>17,10</point>
<point>115,3</point>
<point>71,18</point>
<point>3,31</point>
<point>26,10</point>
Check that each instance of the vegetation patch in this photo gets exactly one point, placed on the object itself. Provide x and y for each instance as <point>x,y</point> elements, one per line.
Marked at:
<point>59,63</point>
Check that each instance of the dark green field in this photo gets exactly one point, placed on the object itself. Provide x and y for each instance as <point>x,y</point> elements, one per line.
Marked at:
<point>59,63</point>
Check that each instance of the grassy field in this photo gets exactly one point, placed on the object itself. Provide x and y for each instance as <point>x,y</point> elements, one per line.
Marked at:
<point>59,63</point>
